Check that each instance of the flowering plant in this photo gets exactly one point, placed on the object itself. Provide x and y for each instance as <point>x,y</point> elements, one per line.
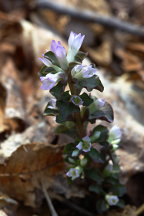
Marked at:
<point>91,155</point>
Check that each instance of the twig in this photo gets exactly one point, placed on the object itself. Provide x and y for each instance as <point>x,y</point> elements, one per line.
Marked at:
<point>51,207</point>
<point>77,208</point>
<point>86,15</point>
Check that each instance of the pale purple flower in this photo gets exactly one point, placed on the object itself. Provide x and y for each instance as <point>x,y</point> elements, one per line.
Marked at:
<point>76,100</point>
<point>74,173</point>
<point>112,200</point>
<point>58,49</point>
<point>85,144</point>
<point>52,103</point>
<point>80,72</point>
<point>75,41</point>
<point>45,61</point>
<point>50,80</point>
<point>60,53</point>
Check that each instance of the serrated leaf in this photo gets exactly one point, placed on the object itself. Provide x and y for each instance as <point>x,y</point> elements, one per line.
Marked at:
<point>90,84</point>
<point>87,100</point>
<point>96,189</point>
<point>64,129</point>
<point>58,90</point>
<point>80,56</point>
<point>69,148</point>
<point>66,109</point>
<point>95,175</point>
<point>104,113</point>
<point>95,155</point>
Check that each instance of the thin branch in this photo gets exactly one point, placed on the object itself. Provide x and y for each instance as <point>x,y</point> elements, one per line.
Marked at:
<point>51,207</point>
<point>94,17</point>
<point>77,208</point>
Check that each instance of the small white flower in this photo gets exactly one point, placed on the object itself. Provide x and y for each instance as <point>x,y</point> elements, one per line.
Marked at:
<point>85,144</point>
<point>76,100</point>
<point>112,200</point>
<point>74,173</point>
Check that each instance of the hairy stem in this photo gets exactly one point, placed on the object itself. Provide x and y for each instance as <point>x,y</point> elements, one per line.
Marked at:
<point>77,116</point>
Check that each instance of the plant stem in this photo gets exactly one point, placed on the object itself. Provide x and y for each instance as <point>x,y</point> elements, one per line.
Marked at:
<point>77,116</point>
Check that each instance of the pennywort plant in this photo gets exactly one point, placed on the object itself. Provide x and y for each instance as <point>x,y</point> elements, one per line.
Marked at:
<point>91,154</point>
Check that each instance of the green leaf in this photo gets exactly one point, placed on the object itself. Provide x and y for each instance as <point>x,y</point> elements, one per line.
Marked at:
<point>67,128</point>
<point>80,56</point>
<point>104,113</point>
<point>50,112</point>
<point>96,189</point>
<point>43,71</point>
<point>65,109</point>
<point>99,134</point>
<point>102,206</point>
<point>121,204</point>
<point>95,155</point>
<point>90,84</point>
<point>118,189</point>
<point>51,56</point>
<point>58,90</point>
<point>69,148</point>
<point>87,100</point>
<point>95,175</point>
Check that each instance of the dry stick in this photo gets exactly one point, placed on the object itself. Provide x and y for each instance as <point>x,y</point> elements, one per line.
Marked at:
<point>86,15</point>
<point>140,210</point>
<point>51,207</point>
<point>77,208</point>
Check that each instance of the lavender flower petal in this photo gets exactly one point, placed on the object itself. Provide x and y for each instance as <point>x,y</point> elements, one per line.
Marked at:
<point>73,173</point>
<point>79,146</point>
<point>45,61</point>
<point>50,80</point>
<point>80,71</point>
<point>60,53</point>
<point>75,41</point>
<point>85,144</point>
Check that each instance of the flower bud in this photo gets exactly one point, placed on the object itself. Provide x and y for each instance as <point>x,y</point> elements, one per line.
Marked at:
<point>80,72</point>
<point>74,42</point>
<point>60,53</point>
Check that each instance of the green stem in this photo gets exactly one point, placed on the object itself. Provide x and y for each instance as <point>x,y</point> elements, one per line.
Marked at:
<point>77,116</point>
